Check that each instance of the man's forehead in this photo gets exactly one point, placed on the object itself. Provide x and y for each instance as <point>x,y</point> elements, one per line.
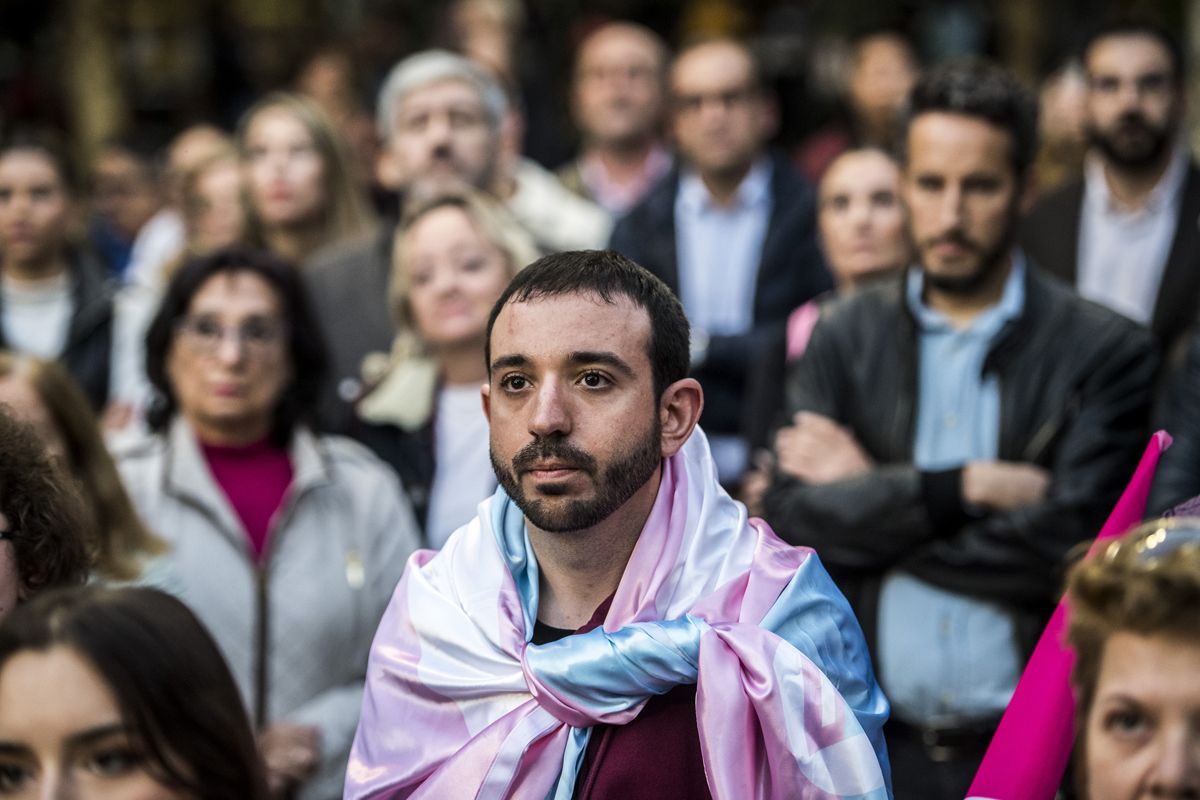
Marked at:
<point>709,65</point>
<point>942,134</point>
<point>562,323</point>
<point>439,92</point>
<point>1113,53</point>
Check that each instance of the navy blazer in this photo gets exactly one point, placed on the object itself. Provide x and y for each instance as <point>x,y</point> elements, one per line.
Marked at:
<point>791,271</point>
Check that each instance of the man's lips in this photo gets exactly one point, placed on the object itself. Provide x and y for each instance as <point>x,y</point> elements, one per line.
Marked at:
<point>551,471</point>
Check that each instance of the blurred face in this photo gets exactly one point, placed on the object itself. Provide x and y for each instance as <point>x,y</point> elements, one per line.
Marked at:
<point>455,277</point>
<point>962,196</point>
<point>284,172</point>
<point>33,207</point>
<point>62,734</point>
<point>1133,106</point>
<point>720,119</point>
<point>125,193</point>
<point>17,392</point>
<point>215,212</point>
<point>571,407</point>
<point>442,138</point>
<point>619,87</point>
<point>881,77</point>
<point>228,362</point>
<point>1143,729</point>
<point>860,218</point>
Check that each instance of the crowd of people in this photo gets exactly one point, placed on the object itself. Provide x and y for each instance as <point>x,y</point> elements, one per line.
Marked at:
<point>400,465</point>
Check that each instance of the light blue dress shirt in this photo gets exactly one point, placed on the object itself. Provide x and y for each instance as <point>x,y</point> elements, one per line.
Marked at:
<point>945,658</point>
<point>719,248</point>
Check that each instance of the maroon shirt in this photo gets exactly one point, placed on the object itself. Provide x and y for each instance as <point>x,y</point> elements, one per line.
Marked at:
<point>655,755</point>
<point>254,477</point>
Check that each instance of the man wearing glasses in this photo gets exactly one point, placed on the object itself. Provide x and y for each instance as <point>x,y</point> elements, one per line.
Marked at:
<point>1126,235</point>
<point>731,231</point>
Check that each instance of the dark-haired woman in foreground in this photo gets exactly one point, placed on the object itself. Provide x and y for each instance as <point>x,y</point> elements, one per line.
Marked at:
<point>121,694</point>
<point>286,544</point>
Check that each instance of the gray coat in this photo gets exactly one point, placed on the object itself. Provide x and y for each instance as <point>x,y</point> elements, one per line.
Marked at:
<point>296,630</point>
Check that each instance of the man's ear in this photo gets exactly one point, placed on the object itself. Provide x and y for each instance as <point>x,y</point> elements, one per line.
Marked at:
<point>1028,189</point>
<point>485,396</point>
<point>678,412</point>
<point>388,172</point>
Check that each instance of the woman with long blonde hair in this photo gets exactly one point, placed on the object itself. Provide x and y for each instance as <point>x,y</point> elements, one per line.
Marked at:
<point>299,186</point>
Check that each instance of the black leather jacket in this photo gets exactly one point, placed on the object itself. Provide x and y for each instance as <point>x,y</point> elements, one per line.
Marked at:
<point>1075,386</point>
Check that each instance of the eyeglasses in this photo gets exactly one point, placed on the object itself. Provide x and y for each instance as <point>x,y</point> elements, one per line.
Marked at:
<point>259,336</point>
<point>1156,540</point>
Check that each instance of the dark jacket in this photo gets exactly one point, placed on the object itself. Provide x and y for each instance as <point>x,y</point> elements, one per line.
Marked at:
<point>348,286</point>
<point>1050,235</point>
<point>1178,476</point>
<point>1075,386</point>
<point>791,270</point>
<point>87,353</point>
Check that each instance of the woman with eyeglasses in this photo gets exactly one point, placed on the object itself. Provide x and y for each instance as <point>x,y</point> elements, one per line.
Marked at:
<point>285,543</point>
<point>1135,629</point>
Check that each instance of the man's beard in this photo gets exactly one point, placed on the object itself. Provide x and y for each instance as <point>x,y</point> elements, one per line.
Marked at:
<point>990,260</point>
<point>1141,148</point>
<point>619,481</point>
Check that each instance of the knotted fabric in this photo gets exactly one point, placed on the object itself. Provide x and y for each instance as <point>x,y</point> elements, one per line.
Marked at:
<point>459,704</point>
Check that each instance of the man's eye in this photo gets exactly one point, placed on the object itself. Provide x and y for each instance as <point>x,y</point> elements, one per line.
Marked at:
<point>595,380</point>
<point>514,383</point>
<point>12,777</point>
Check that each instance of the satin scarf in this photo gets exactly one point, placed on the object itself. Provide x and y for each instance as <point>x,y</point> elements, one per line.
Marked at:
<point>458,703</point>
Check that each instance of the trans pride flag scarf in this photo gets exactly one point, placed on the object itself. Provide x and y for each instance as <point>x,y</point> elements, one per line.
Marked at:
<point>459,704</point>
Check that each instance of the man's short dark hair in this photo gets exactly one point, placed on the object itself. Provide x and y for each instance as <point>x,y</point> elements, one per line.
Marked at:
<point>608,275</point>
<point>977,88</point>
<point>1122,27</point>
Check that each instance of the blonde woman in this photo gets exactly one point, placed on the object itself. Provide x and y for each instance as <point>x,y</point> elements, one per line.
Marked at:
<point>299,187</point>
<point>454,255</point>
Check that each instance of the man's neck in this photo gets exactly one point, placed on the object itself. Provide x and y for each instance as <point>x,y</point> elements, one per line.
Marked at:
<point>723,185</point>
<point>962,308</point>
<point>624,162</point>
<point>33,273</point>
<point>581,569</point>
<point>1131,188</point>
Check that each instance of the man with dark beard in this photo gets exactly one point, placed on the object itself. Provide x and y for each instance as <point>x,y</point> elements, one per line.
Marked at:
<point>1127,234</point>
<point>956,431</point>
<point>611,624</point>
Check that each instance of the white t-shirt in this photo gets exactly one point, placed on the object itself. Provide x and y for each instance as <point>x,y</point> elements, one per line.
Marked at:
<point>464,474</point>
<point>37,316</point>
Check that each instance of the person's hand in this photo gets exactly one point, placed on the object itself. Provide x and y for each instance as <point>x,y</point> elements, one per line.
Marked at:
<point>1004,485</point>
<point>756,482</point>
<point>291,753</point>
<point>818,450</point>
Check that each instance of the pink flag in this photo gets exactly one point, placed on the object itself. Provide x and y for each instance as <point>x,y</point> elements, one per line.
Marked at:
<point>1029,753</point>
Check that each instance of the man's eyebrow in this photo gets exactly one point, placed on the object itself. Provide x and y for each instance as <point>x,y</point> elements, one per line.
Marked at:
<point>514,360</point>
<point>14,749</point>
<point>601,357</point>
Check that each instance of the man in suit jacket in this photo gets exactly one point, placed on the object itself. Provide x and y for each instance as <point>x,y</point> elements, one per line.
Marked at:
<point>1127,235</point>
<point>732,230</point>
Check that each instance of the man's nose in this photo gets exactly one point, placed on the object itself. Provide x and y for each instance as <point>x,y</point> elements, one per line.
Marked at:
<point>551,414</point>
<point>950,208</point>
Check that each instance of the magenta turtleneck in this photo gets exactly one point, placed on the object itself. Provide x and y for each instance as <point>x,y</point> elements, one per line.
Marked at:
<point>254,477</point>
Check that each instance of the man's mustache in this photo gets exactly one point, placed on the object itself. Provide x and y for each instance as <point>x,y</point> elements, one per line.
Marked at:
<point>556,450</point>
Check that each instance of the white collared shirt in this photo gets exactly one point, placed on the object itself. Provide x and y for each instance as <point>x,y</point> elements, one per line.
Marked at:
<point>719,248</point>
<point>1122,253</point>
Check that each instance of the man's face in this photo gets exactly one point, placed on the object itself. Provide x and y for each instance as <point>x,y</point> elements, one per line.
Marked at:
<point>619,87</point>
<point>575,431</point>
<point>962,196</point>
<point>1133,105</point>
<point>720,119</point>
<point>442,138</point>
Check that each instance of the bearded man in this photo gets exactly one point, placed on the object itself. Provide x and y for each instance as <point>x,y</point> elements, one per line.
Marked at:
<point>956,431</point>
<point>1126,235</point>
<point>611,624</point>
